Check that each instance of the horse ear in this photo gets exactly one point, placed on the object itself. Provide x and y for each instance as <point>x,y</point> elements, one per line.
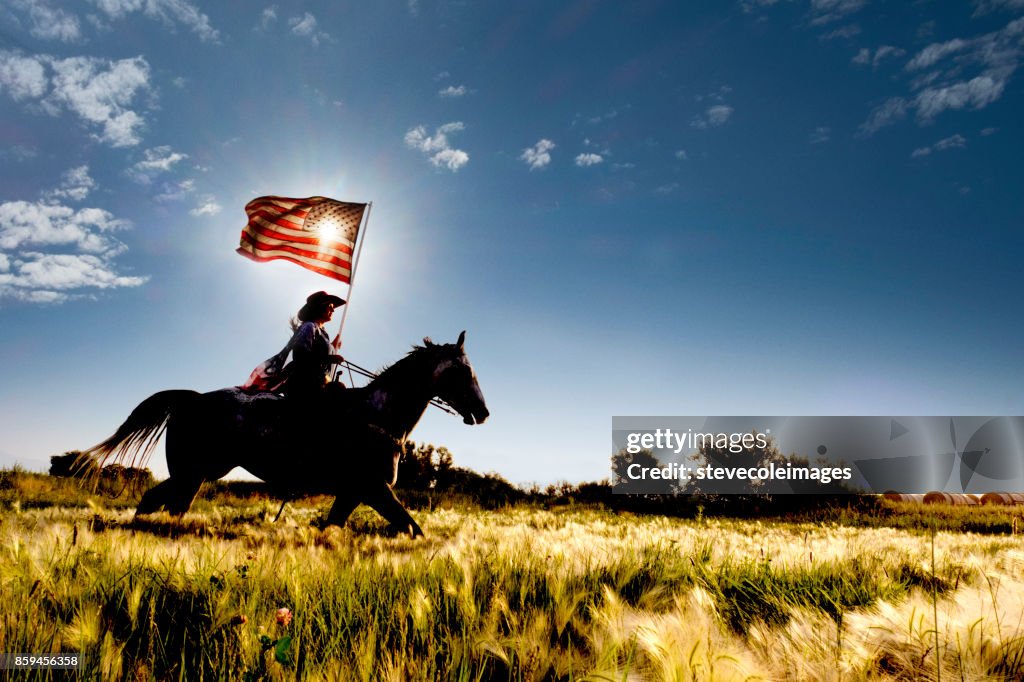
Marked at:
<point>427,342</point>
<point>462,339</point>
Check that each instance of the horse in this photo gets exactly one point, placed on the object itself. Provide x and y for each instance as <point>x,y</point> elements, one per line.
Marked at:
<point>345,442</point>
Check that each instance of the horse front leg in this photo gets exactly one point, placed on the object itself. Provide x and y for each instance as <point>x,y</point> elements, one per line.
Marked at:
<point>382,498</point>
<point>344,504</point>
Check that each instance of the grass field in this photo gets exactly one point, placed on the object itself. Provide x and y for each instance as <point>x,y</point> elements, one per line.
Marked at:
<point>524,593</point>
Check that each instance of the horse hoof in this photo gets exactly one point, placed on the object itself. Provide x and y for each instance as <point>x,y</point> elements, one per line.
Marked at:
<point>412,530</point>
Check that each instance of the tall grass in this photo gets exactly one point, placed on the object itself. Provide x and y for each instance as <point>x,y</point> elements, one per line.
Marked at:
<point>524,594</point>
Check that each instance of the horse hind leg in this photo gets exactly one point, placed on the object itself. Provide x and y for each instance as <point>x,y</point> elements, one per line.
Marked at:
<point>190,467</point>
<point>155,498</point>
<point>175,495</point>
<point>180,499</point>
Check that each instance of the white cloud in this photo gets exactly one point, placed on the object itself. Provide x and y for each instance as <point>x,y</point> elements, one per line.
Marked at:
<point>887,113</point>
<point>23,153</point>
<point>48,23</point>
<point>156,160</point>
<point>268,16</point>
<point>944,81</point>
<point>956,141</point>
<point>75,185</point>
<point>719,114</point>
<point>828,11</point>
<point>100,92</point>
<point>714,116</point>
<point>417,138</point>
<point>452,127</point>
<point>669,188</point>
<point>717,95</point>
<point>452,159</point>
<point>437,145</point>
<point>306,27</point>
<point>584,160</point>
<point>175,191</point>
<point>821,134</point>
<point>986,6</point>
<point>50,278</point>
<point>207,206</point>
<point>34,224</point>
<point>681,155</point>
<point>601,118</point>
<point>22,77</point>
<point>935,53</point>
<point>976,93</point>
<point>453,91</point>
<point>750,6</point>
<point>169,12</point>
<point>885,51</point>
<point>539,155</point>
<point>50,252</point>
<point>848,31</point>
<point>29,296</point>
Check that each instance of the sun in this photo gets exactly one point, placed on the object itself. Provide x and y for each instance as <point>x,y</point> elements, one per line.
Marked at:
<point>329,230</point>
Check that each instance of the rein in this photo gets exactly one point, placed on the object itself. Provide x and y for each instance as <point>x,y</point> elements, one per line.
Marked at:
<point>436,402</point>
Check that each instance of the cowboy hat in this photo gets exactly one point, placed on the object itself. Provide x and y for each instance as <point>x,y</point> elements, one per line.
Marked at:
<point>323,298</point>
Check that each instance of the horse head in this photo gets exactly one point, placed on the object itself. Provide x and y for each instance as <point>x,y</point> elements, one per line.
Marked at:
<point>455,381</point>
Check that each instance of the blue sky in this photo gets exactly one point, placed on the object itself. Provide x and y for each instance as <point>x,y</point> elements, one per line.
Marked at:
<point>762,207</point>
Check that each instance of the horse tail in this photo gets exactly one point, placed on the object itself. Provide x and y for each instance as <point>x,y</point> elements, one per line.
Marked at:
<point>133,442</point>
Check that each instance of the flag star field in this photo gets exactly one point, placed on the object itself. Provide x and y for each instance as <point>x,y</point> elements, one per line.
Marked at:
<point>793,207</point>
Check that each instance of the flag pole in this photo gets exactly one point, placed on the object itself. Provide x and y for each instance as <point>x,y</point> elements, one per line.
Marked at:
<point>352,278</point>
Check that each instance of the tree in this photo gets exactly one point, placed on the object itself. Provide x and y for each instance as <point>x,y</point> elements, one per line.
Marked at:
<point>423,467</point>
<point>73,464</point>
<point>645,460</point>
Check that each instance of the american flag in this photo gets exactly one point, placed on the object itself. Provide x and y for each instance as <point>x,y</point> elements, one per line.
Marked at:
<point>317,233</point>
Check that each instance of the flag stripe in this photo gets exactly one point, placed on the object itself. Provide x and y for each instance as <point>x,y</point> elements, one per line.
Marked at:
<point>286,204</point>
<point>272,245</point>
<point>261,237</point>
<point>333,274</point>
<point>298,256</point>
<point>275,209</point>
<point>280,221</point>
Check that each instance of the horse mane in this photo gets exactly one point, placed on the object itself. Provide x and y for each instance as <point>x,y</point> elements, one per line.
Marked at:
<point>390,374</point>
